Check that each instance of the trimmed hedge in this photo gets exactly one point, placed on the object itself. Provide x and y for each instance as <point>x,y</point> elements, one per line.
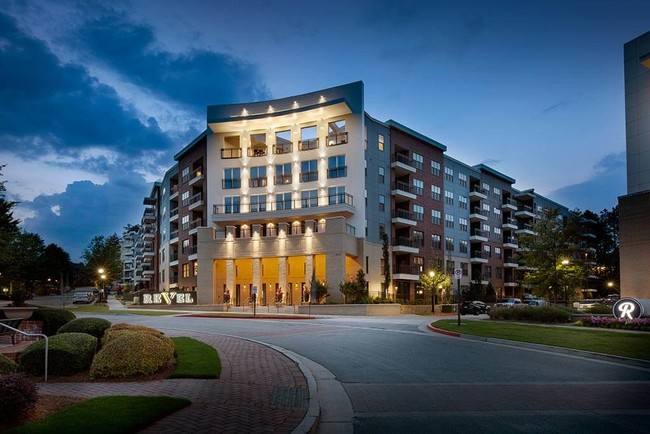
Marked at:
<point>128,353</point>
<point>121,329</point>
<point>545,314</point>
<point>92,326</point>
<point>17,395</point>
<point>68,354</point>
<point>53,319</point>
<point>7,365</point>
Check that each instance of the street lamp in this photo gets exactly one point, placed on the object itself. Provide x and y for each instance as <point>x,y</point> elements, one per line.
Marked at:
<point>102,276</point>
<point>565,262</point>
<point>433,302</point>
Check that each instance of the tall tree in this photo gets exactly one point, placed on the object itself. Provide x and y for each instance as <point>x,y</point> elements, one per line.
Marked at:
<point>9,226</point>
<point>102,253</point>
<point>24,265</point>
<point>55,264</point>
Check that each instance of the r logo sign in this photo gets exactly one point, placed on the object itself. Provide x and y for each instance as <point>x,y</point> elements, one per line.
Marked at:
<point>628,309</point>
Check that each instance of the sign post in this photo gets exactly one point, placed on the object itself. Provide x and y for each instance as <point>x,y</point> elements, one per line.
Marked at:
<point>458,273</point>
<point>254,292</point>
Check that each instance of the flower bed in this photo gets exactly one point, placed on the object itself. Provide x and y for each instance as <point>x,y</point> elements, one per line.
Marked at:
<point>609,322</point>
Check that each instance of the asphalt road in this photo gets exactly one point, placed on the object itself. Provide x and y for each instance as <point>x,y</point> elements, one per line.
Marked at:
<point>402,378</point>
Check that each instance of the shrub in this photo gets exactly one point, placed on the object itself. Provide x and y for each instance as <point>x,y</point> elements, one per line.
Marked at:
<point>546,314</point>
<point>92,326</point>
<point>642,324</point>
<point>53,319</point>
<point>7,365</point>
<point>17,396</point>
<point>68,353</point>
<point>122,328</point>
<point>130,353</point>
<point>600,309</point>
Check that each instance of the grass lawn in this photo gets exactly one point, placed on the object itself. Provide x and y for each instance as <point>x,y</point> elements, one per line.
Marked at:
<point>106,415</point>
<point>195,359</point>
<point>634,345</point>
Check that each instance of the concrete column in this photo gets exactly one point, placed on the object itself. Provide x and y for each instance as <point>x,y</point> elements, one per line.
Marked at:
<point>335,272</point>
<point>230,276</point>
<point>282,265</point>
<point>257,274</point>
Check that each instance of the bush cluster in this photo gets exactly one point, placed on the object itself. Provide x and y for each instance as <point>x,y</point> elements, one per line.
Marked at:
<point>92,326</point>
<point>53,319</point>
<point>7,365</point>
<point>68,354</point>
<point>17,396</point>
<point>127,353</point>
<point>600,309</point>
<point>546,314</point>
<point>642,324</point>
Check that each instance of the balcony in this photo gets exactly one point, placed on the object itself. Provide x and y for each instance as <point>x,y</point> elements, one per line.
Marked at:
<point>258,151</point>
<point>227,153</point>
<point>510,262</point>
<point>478,193</point>
<point>479,235</point>
<point>149,216</point>
<point>335,139</point>
<point>308,145</point>
<point>196,201</point>
<point>407,272</point>
<point>402,218</point>
<point>526,229</point>
<point>402,191</point>
<point>174,192</point>
<point>402,165</point>
<point>510,243</point>
<point>406,245</point>
<point>173,237</point>
<point>285,148</point>
<point>478,214</point>
<point>510,224</point>
<point>479,257</point>
<point>173,214</point>
<point>309,176</point>
<point>509,282</point>
<point>526,212</point>
<point>196,176</point>
<point>257,182</point>
<point>148,236</point>
<point>509,205</point>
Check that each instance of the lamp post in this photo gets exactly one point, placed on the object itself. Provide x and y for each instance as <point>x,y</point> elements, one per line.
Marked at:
<point>102,277</point>
<point>433,302</point>
<point>565,262</point>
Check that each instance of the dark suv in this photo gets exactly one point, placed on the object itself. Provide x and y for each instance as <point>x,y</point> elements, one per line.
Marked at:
<point>474,307</point>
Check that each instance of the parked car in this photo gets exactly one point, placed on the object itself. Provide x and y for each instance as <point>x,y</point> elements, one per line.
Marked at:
<point>610,300</point>
<point>83,297</point>
<point>474,307</point>
<point>585,304</point>
<point>510,302</point>
<point>538,302</point>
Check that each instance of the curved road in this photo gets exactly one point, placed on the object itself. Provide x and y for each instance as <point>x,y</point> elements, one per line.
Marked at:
<point>402,378</point>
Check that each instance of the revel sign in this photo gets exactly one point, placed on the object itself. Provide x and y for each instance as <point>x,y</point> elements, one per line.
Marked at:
<point>168,298</point>
<point>631,308</point>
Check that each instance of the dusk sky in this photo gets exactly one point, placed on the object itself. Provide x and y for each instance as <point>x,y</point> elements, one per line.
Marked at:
<point>97,97</point>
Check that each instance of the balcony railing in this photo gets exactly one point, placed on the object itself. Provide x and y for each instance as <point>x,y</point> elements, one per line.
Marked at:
<point>173,234</point>
<point>231,183</point>
<point>193,199</point>
<point>480,233</point>
<point>271,206</point>
<point>258,182</point>
<point>479,211</point>
<point>193,174</point>
<point>479,255</point>
<point>480,190</point>
<point>309,144</point>
<point>337,139</point>
<point>230,153</point>
<point>406,241</point>
<point>526,208</point>
<point>259,151</point>
<point>309,176</point>
<point>511,202</point>
<point>337,172</point>
<point>192,224</point>
<point>510,240</point>
<point>403,214</point>
<point>407,269</point>
<point>283,179</point>
<point>190,250</point>
<point>403,186</point>
<point>283,149</point>
<point>404,159</point>
<point>510,222</point>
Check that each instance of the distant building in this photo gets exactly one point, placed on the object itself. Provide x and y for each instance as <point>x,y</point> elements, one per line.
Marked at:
<point>274,194</point>
<point>634,208</point>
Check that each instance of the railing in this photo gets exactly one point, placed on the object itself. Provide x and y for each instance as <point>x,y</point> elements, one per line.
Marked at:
<point>283,149</point>
<point>404,159</point>
<point>479,233</point>
<point>526,208</point>
<point>230,153</point>
<point>511,202</point>
<point>337,172</point>
<point>193,224</point>
<point>403,214</point>
<point>527,228</point>
<point>194,199</point>
<point>479,255</point>
<point>479,211</point>
<point>309,176</point>
<point>510,222</point>
<point>407,269</point>
<point>337,139</point>
<point>309,144</point>
<point>509,260</point>
<point>190,250</point>
<point>403,186</point>
<point>173,212</point>
<point>510,240</point>
<point>270,206</point>
<point>47,342</point>
<point>231,183</point>
<point>283,179</point>
<point>194,174</point>
<point>257,182</point>
<point>258,152</point>
<point>480,190</point>
<point>406,241</point>
<point>173,234</point>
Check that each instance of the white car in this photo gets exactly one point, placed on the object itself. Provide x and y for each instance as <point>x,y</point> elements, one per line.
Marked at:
<point>585,304</point>
<point>510,302</point>
<point>83,297</point>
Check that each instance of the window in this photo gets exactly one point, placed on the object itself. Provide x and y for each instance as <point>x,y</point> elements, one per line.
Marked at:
<point>486,188</point>
<point>382,203</point>
<point>185,174</point>
<point>418,212</point>
<point>418,186</point>
<point>498,273</point>
<point>487,250</point>
<point>462,202</point>
<point>449,197</point>
<point>497,252</point>
<point>497,213</point>
<point>308,138</point>
<point>231,147</point>
<point>258,176</point>
<point>336,167</point>
<point>232,204</point>
<point>436,241</point>
<point>497,232</point>
<point>465,267</point>
<point>449,221</point>
<point>283,174</point>
<point>487,273</point>
<point>449,174</point>
<point>418,161</point>
<point>185,222</point>
<point>463,246</point>
<point>435,168</point>
<point>436,216</point>
<point>449,244</point>
<point>486,208</point>
<point>449,267</point>
<point>497,192</point>
<point>462,224</point>
<point>435,192</point>
<point>195,268</point>
<point>337,195</point>
<point>258,203</point>
<point>382,175</point>
<point>309,199</point>
<point>462,179</point>
<point>336,134</point>
<point>283,144</point>
<point>186,270</point>
<point>231,178</point>
<point>283,201</point>
<point>486,229</point>
<point>380,141</point>
<point>419,263</point>
<point>418,237</point>
<point>309,171</point>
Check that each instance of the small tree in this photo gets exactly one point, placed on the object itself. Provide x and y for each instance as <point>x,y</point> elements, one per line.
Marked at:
<point>355,290</point>
<point>433,281</point>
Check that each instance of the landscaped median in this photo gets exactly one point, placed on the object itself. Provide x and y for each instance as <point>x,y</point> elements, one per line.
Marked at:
<point>632,345</point>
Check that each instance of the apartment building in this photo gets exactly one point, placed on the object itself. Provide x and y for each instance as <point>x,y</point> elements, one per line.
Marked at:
<point>275,194</point>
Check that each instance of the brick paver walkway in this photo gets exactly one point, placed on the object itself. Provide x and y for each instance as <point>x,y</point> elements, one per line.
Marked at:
<point>260,390</point>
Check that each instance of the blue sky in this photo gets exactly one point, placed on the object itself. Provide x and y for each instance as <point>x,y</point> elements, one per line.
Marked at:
<point>96,99</point>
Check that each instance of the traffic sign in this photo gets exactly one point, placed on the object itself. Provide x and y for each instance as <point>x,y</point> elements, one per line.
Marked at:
<point>458,273</point>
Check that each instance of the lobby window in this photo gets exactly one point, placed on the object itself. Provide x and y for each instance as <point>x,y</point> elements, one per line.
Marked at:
<point>336,167</point>
<point>418,238</point>
<point>232,204</point>
<point>231,177</point>
<point>308,138</point>
<point>382,175</point>
<point>418,161</point>
<point>462,224</point>
<point>449,174</point>
<point>449,221</point>
<point>380,141</point>
<point>418,212</point>
<point>435,192</point>
<point>436,217</point>
<point>283,201</point>
<point>418,186</point>
<point>309,171</point>
<point>283,174</point>
<point>449,244</point>
<point>462,202</point>
<point>382,202</point>
<point>258,203</point>
<point>258,176</point>
<point>462,179</point>
<point>436,241</point>
<point>435,168</point>
<point>336,134</point>
<point>283,143</point>
<point>309,199</point>
<point>336,195</point>
<point>449,197</point>
<point>463,246</point>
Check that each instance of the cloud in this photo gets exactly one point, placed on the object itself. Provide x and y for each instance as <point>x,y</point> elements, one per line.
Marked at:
<point>601,190</point>
<point>556,106</point>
